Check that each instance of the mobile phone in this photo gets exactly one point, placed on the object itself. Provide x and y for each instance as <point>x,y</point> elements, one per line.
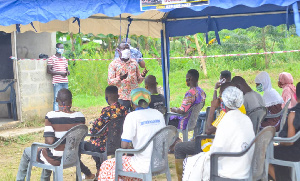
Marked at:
<point>222,81</point>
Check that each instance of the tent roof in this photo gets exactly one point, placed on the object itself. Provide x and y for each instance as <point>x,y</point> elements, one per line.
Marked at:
<point>103,16</point>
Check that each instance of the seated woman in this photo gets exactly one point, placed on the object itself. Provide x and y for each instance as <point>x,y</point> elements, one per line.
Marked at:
<point>234,134</point>
<point>272,99</point>
<point>188,147</point>
<point>288,151</point>
<point>285,82</point>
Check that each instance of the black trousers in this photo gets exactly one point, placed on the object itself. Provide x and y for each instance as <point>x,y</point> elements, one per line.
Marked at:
<point>184,148</point>
<point>88,146</point>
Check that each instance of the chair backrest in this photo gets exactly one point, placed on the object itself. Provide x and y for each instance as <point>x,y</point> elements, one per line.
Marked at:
<point>73,137</point>
<point>284,114</point>
<point>115,130</point>
<point>257,115</point>
<point>162,140</point>
<point>195,110</point>
<point>261,141</point>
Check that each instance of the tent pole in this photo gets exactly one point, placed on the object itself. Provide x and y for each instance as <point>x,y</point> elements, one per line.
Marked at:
<point>166,67</point>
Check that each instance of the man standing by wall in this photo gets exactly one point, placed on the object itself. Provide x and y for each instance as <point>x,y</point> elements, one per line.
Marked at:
<point>57,66</point>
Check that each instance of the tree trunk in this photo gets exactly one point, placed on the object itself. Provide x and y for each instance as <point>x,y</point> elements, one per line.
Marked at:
<point>200,54</point>
<point>264,47</point>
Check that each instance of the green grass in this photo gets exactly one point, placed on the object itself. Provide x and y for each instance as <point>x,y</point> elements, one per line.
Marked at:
<point>178,70</point>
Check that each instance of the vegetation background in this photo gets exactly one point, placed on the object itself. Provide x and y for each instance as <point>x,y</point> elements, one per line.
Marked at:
<point>88,79</point>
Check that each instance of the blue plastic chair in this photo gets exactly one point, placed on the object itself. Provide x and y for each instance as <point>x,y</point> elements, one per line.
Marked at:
<point>159,159</point>
<point>70,157</point>
<point>11,103</point>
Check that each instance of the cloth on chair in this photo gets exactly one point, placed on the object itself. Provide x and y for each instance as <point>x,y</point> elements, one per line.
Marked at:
<point>107,169</point>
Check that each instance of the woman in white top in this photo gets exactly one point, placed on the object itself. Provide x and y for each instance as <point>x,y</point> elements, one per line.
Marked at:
<point>272,99</point>
<point>234,134</point>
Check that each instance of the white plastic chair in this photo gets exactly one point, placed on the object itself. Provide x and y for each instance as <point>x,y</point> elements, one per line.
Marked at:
<point>159,159</point>
<point>70,157</point>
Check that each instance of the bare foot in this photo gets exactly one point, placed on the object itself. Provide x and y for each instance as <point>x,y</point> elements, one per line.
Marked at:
<point>92,176</point>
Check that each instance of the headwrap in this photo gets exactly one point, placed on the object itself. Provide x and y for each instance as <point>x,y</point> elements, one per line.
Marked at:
<point>286,79</point>
<point>233,97</point>
<point>271,96</point>
<point>139,94</point>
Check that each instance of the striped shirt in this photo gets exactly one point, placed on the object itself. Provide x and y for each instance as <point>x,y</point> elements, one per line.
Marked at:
<point>56,125</point>
<point>59,65</point>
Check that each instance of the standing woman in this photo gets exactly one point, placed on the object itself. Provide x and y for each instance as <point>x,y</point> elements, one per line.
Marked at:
<point>272,99</point>
<point>288,151</point>
<point>289,90</point>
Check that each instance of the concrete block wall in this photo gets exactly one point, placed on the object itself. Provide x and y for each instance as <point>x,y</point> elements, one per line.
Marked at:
<point>36,88</point>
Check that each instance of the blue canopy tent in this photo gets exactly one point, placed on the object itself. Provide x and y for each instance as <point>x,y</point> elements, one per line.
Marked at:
<point>42,15</point>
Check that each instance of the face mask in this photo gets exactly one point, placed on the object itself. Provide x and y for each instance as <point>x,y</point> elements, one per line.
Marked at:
<point>125,54</point>
<point>60,51</point>
<point>259,88</point>
<point>106,100</point>
<point>223,106</point>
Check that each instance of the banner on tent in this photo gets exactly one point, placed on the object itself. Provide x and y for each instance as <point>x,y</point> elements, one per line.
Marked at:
<point>170,4</point>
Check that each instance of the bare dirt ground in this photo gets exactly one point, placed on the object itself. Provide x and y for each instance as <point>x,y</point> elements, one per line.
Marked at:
<point>11,152</point>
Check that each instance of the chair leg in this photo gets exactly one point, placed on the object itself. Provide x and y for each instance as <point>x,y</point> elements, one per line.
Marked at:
<point>185,135</point>
<point>58,174</point>
<point>168,174</point>
<point>9,110</point>
<point>28,175</point>
<point>78,171</point>
<point>296,171</point>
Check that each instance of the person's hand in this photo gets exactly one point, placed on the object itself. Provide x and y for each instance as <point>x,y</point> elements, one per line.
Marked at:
<point>145,71</point>
<point>68,73</point>
<point>122,77</point>
<point>63,74</point>
<point>173,109</point>
<point>218,84</point>
<point>215,103</point>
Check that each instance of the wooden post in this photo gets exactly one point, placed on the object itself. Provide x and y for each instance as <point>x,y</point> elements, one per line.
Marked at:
<point>200,54</point>
<point>16,74</point>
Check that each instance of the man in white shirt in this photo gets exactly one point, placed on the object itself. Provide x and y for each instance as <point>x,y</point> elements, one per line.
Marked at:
<point>139,126</point>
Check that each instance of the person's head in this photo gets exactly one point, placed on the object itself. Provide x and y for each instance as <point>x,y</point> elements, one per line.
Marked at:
<point>225,75</point>
<point>224,86</point>
<point>140,97</point>
<point>263,82</point>
<point>241,84</point>
<point>59,48</point>
<point>284,79</point>
<point>298,92</point>
<point>128,41</point>
<point>232,98</point>
<point>150,82</point>
<point>192,77</point>
<point>124,52</point>
<point>111,94</point>
<point>64,98</point>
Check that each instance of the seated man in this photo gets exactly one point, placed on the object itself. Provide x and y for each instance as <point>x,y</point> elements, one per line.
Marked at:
<point>57,123</point>
<point>139,126</point>
<point>188,147</point>
<point>114,110</point>
<point>195,95</point>
<point>252,99</point>
<point>233,135</point>
<point>157,100</point>
<point>225,76</point>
